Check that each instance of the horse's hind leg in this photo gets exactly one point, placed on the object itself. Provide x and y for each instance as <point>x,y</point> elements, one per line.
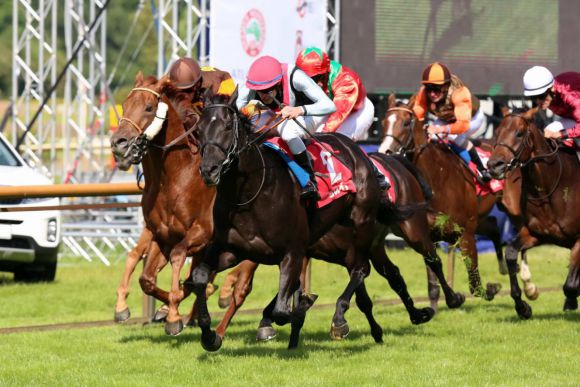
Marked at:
<point>433,289</point>
<point>387,269</point>
<point>242,289</point>
<point>122,312</point>
<point>572,284</point>
<point>365,304</point>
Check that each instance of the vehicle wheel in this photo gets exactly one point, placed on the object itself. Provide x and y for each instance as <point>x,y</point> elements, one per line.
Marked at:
<point>41,273</point>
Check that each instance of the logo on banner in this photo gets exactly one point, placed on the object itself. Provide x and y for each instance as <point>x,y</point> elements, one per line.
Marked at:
<point>301,8</point>
<point>253,32</point>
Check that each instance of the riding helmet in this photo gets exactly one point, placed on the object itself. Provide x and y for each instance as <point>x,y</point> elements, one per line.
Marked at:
<point>313,61</point>
<point>184,73</point>
<point>537,80</point>
<point>264,73</point>
<point>436,74</point>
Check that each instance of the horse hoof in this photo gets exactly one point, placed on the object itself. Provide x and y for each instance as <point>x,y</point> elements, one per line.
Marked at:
<point>339,332</point>
<point>265,333</point>
<point>160,315</point>
<point>422,316</point>
<point>211,342</point>
<point>224,302</point>
<point>456,301</point>
<point>307,300</point>
<point>570,304</point>
<point>173,328</point>
<point>531,291</point>
<point>491,290</point>
<point>524,311</point>
<point>122,316</point>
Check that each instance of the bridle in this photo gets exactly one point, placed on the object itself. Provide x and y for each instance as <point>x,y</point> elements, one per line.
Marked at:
<point>138,146</point>
<point>527,142</point>
<point>234,150</point>
<point>404,147</point>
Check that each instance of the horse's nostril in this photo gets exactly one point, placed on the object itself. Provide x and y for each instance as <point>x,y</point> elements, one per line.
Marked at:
<point>120,142</point>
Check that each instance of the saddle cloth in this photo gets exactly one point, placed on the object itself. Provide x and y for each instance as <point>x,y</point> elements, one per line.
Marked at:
<point>333,178</point>
<point>491,186</point>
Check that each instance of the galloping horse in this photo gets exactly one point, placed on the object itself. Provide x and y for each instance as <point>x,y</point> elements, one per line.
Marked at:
<point>176,204</point>
<point>456,208</point>
<point>550,179</point>
<point>258,215</point>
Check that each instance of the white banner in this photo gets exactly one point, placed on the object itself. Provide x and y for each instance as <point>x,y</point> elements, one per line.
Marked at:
<point>241,31</point>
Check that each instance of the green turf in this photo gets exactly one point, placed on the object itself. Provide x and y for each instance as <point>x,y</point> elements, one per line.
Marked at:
<point>480,344</point>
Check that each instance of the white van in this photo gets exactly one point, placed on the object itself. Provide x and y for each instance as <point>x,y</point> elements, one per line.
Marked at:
<point>29,241</point>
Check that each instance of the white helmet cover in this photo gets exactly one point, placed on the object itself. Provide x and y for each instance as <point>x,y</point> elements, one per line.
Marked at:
<point>537,80</point>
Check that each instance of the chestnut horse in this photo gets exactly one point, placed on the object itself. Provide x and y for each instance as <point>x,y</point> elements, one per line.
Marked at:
<point>259,215</point>
<point>457,211</point>
<point>550,179</point>
<point>177,206</point>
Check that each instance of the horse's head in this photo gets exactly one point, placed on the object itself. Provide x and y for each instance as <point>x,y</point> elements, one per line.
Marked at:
<point>129,142</point>
<point>514,143</point>
<point>219,130</point>
<point>397,127</point>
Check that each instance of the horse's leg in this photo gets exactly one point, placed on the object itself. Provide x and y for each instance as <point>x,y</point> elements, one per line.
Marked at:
<point>173,323</point>
<point>227,289</point>
<point>433,289</point>
<point>522,308</point>
<point>243,287</point>
<point>265,330</point>
<point>290,268</point>
<point>154,263</point>
<point>365,304</point>
<point>387,269</point>
<point>358,272</point>
<point>524,242</point>
<point>122,312</point>
<point>469,252</point>
<point>572,284</point>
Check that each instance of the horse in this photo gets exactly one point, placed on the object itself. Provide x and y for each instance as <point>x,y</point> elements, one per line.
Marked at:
<point>177,205</point>
<point>258,215</point>
<point>457,211</point>
<point>550,209</point>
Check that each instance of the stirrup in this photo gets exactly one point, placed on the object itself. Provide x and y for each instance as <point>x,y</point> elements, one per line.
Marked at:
<point>310,192</point>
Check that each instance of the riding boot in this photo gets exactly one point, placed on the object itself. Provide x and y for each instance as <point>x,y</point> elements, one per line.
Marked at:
<point>383,182</point>
<point>484,173</point>
<point>310,191</point>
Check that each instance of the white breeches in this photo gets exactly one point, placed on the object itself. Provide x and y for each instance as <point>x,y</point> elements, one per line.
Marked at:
<point>462,139</point>
<point>356,125</point>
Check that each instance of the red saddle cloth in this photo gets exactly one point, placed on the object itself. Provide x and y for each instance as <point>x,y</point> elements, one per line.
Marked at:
<point>333,178</point>
<point>491,186</point>
<point>391,192</point>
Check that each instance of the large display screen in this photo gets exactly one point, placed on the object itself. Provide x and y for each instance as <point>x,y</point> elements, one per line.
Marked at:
<point>488,43</point>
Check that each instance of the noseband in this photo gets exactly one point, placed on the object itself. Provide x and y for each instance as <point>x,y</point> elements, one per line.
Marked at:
<point>403,146</point>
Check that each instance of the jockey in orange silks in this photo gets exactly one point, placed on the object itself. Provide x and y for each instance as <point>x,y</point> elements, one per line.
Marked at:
<point>457,111</point>
<point>354,111</point>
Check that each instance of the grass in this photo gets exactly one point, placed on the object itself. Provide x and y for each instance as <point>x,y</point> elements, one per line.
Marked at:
<point>480,344</point>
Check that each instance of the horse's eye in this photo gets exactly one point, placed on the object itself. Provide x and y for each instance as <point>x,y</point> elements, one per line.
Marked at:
<point>149,108</point>
<point>519,134</point>
<point>407,123</point>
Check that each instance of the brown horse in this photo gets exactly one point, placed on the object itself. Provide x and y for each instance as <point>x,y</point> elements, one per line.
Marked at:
<point>457,211</point>
<point>259,215</point>
<point>550,178</point>
<point>177,206</point>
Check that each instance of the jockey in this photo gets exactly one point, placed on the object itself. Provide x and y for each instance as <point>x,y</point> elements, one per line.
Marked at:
<point>458,114</point>
<point>354,113</point>
<point>290,93</point>
<point>561,95</point>
<point>185,74</point>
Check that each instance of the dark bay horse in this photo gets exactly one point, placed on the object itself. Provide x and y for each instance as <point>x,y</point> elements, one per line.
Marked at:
<point>550,205</point>
<point>457,211</point>
<point>258,215</point>
<point>177,205</point>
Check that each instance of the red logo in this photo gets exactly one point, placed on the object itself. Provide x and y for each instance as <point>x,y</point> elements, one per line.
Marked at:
<point>253,32</point>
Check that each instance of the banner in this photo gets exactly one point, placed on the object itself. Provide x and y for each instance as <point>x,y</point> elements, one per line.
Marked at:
<point>241,31</point>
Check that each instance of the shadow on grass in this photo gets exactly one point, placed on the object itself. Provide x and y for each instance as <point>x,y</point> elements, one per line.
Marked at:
<point>552,316</point>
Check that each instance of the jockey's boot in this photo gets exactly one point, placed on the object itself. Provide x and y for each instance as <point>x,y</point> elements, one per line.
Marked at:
<point>383,182</point>
<point>311,190</point>
<point>484,173</point>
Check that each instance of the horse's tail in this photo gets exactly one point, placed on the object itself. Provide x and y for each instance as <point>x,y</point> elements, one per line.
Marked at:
<point>389,212</point>
<point>425,187</point>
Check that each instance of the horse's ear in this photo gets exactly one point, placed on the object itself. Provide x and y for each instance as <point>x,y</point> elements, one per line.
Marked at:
<point>139,78</point>
<point>412,100</point>
<point>163,82</point>
<point>391,101</point>
<point>233,97</point>
<point>207,94</point>
<point>531,113</point>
